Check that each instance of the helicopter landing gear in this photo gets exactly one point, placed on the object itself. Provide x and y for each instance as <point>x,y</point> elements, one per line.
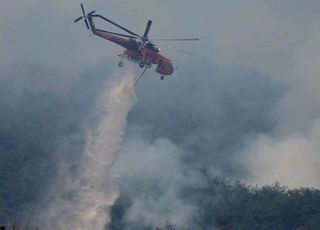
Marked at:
<point>162,78</point>
<point>141,64</point>
<point>120,64</point>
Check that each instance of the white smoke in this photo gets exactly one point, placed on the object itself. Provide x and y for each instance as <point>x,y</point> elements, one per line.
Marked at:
<point>84,200</point>
<point>153,177</point>
<point>292,155</point>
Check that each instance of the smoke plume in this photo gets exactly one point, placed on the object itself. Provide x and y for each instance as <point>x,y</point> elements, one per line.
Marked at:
<point>86,193</point>
<point>290,154</point>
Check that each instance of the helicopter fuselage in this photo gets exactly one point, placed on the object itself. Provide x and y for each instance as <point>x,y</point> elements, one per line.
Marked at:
<point>144,53</point>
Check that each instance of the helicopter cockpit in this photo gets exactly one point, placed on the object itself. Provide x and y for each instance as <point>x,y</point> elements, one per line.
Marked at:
<point>152,46</point>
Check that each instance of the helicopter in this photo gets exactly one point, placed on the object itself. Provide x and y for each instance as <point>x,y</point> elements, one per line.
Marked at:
<point>138,48</point>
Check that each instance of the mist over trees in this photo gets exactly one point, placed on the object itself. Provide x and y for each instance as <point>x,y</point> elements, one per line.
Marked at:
<point>202,132</point>
<point>40,110</point>
<point>244,108</point>
<point>224,204</point>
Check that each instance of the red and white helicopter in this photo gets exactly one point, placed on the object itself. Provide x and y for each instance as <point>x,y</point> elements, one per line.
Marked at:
<point>139,49</point>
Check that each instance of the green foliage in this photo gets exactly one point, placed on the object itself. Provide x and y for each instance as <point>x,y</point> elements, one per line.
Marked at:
<point>20,226</point>
<point>229,205</point>
<point>233,205</point>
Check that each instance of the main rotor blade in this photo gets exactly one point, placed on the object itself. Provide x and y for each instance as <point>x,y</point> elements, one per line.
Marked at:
<point>176,39</point>
<point>87,24</point>
<point>115,24</point>
<point>145,35</point>
<point>78,19</point>
<point>82,9</point>
<point>122,35</point>
<point>178,50</point>
<point>92,12</point>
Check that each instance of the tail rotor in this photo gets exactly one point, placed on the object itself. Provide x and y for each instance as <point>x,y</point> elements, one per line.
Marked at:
<point>84,16</point>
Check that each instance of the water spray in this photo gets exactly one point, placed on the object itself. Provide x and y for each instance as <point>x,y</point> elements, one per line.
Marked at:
<point>85,199</point>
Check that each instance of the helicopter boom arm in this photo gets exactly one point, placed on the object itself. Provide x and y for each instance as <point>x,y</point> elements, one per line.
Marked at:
<point>116,24</point>
<point>119,39</point>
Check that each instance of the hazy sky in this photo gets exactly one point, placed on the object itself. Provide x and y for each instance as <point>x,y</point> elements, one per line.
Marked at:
<point>248,33</point>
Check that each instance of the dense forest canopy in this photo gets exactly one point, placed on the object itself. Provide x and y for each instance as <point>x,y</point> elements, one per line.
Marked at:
<point>233,205</point>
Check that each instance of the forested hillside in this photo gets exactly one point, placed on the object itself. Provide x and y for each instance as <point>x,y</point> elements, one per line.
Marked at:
<point>228,205</point>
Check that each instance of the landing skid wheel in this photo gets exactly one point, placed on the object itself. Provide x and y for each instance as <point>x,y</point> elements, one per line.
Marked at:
<point>120,64</point>
<point>162,78</point>
<point>141,65</point>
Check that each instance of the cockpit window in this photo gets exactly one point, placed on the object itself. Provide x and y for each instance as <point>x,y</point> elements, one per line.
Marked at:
<point>152,47</point>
